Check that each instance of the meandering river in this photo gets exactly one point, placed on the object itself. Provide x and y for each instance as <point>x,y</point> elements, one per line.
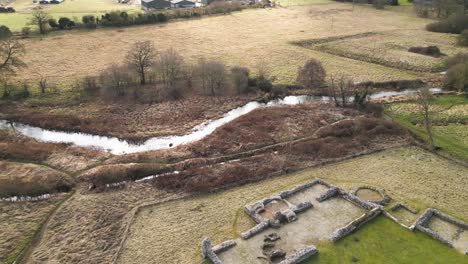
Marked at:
<point>119,146</point>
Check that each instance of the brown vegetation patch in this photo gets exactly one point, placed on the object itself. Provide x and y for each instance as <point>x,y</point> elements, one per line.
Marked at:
<point>88,227</point>
<point>31,180</point>
<point>113,173</point>
<point>14,146</point>
<point>269,126</point>
<point>344,139</point>
<point>18,222</point>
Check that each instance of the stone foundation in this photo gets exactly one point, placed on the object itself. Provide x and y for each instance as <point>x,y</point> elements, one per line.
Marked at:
<point>385,198</point>
<point>300,255</point>
<point>354,225</point>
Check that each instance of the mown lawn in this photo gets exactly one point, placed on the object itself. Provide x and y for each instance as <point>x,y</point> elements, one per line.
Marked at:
<point>382,241</point>
<point>449,117</point>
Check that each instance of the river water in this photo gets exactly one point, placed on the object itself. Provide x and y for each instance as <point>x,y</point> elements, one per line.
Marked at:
<point>118,146</point>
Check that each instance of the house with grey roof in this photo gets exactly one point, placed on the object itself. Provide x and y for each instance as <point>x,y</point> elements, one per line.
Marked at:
<point>150,5</point>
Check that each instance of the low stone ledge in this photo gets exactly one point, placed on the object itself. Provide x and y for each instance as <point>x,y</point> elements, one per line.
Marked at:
<point>301,207</point>
<point>385,197</point>
<point>433,234</point>
<point>208,253</point>
<point>224,246</point>
<point>357,201</point>
<point>423,219</point>
<point>406,207</point>
<point>300,255</point>
<point>255,230</point>
<point>391,217</point>
<point>450,219</point>
<point>355,224</point>
<point>334,191</point>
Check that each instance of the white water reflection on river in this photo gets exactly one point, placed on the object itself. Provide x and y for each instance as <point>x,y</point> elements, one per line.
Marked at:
<point>119,146</point>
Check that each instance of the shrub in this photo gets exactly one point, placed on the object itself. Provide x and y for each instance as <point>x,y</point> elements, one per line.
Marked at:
<point>53,23</point>
<point>379,4</point>
<point>66,23</point>
<point>311,75</point>
<point>457,77</point>
<point>5,32</point>
<point>455,24</point>
<point>279,91</point>
<point>264,84</point>
<point>463,38</point>
<point>240,79</point>
<point>89,22</point>
<point>433,51</point>
<point>25,31</point>
<point>456,59</point>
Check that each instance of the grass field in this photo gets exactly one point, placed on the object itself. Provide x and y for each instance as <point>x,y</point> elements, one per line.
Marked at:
<point>69,8</point>
<point>382,241</point>
<point>160,231</point>
<point>450,116</point>
<point>233,39</point>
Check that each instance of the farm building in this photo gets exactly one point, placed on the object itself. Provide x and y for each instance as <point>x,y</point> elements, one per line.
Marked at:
<point>150,5</point>
<point>183,4</point>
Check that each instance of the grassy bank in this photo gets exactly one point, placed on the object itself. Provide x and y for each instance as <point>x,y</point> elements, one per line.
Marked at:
<point>449,117</point>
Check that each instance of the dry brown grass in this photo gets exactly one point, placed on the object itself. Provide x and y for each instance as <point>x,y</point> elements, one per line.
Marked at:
<point>13,146</point>
<point>344,139</point>
<point>19,222</point>
<point>88,227</point>
<point>31,180</point>
<point>159,232</point>
<point>240,38</point>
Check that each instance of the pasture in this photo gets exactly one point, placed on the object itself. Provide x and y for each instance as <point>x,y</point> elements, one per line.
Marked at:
<point>249,37</point>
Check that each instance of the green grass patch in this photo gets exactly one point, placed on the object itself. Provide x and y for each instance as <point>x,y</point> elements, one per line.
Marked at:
<point>382,241</point>
<point>450,117</point>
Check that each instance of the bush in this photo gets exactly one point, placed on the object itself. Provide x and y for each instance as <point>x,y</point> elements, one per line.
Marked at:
<point>5,32</point>
<point>457,77</point>
<point>240,79</point>
<point>454,24</point>
<point>279,91</point>
<point>53,23</point>
<point>66,23</point>
<point>89,22</point>
<point>311,75</point>
<point>456,59</point>
<point>433,51</point>
<point>379,4</point>
<point>264,84</point>
<point>463,38</point>
<point>26,31</point>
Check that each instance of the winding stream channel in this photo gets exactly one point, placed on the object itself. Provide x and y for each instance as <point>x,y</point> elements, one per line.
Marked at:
<point>118,146</point>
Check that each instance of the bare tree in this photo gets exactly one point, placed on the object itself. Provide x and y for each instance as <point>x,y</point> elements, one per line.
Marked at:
<point>40,19</point>
<point>169,67</point>
<point>424,99</point>
<point>141,58</point>
<point>340,90</point>
<point>240,79</point>
<point>213,75</point>
<point>10,60</point>
<point>311,75</point>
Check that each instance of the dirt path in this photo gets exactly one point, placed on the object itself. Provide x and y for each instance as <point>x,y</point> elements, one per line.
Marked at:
<point>24,256</point>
